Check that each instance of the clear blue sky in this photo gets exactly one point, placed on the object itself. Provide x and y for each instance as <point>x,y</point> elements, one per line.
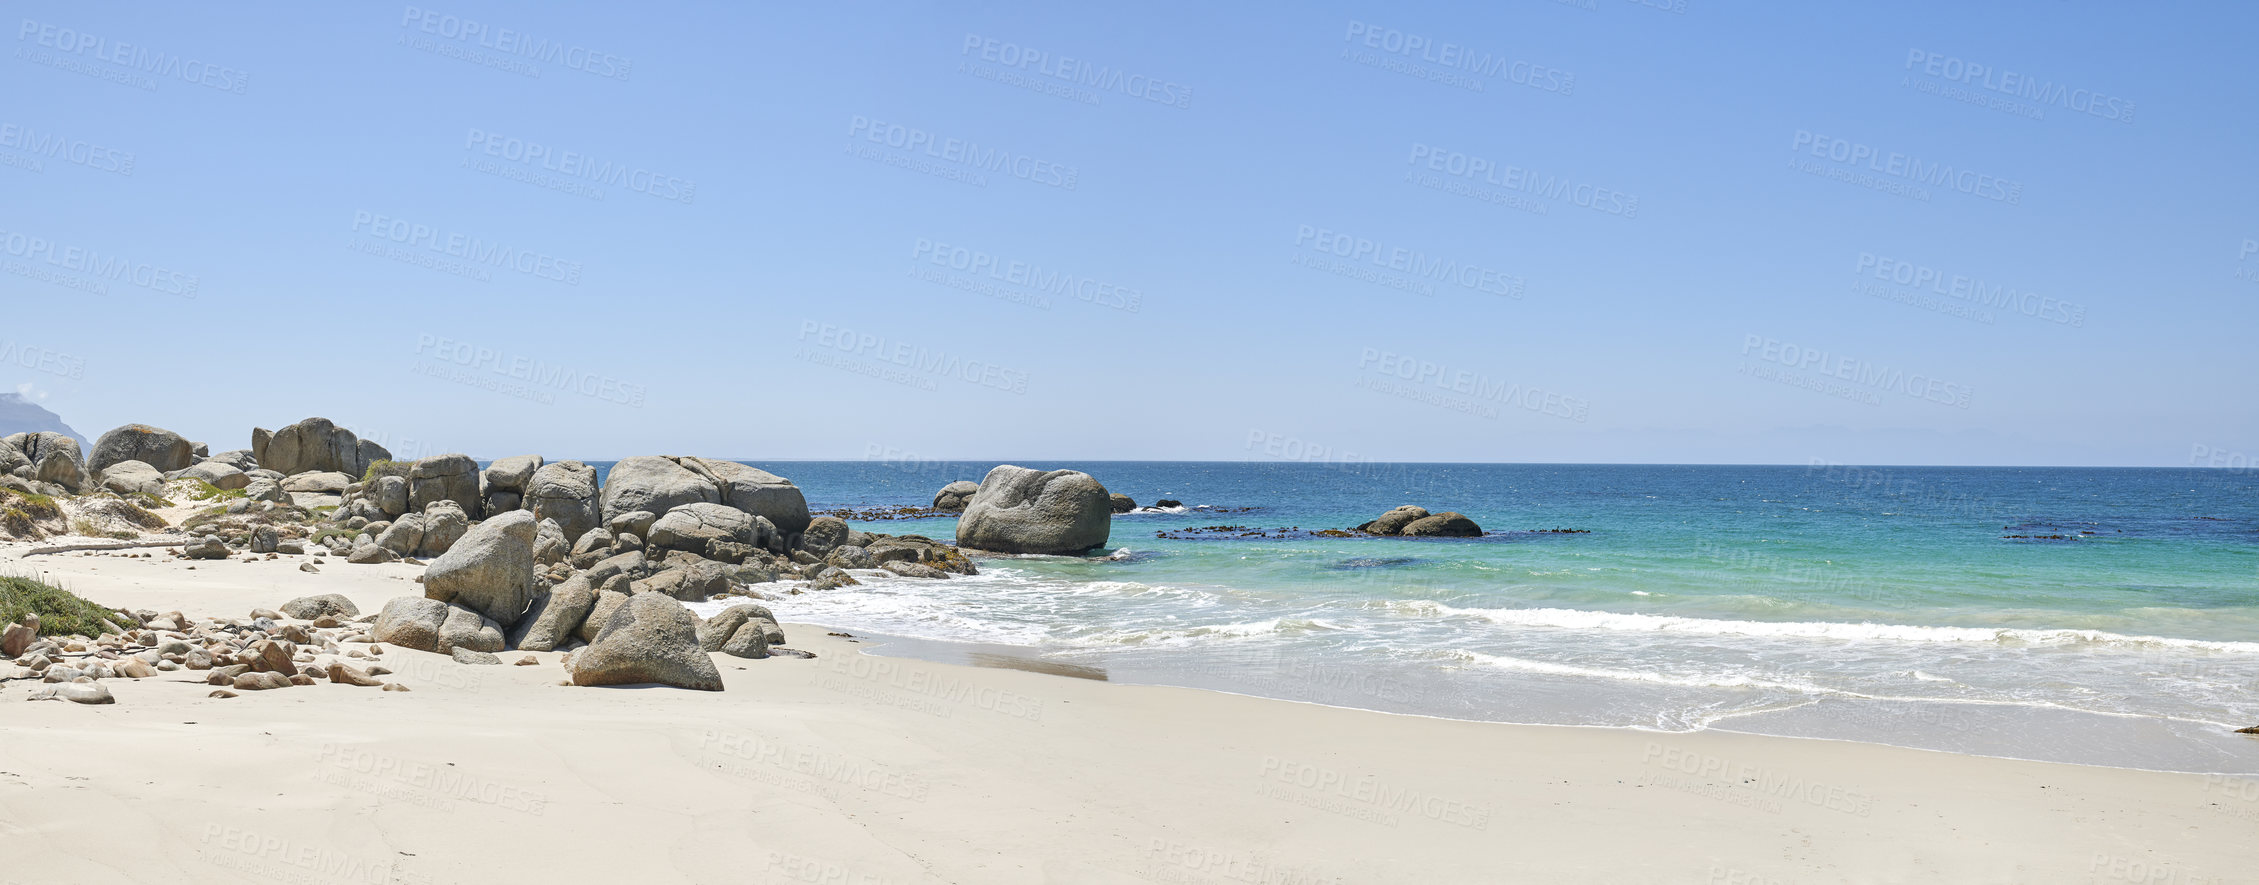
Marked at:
<point>1699,234</point>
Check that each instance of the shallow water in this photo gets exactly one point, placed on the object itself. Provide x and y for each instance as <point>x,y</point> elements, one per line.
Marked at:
<point>2105,616</point>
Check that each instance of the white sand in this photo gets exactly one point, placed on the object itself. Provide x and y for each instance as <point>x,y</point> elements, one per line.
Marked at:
<point>864,770</point>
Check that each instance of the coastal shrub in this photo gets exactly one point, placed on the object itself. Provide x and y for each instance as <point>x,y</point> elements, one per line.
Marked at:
<point>61,613</point>
<point>127,509</point>
<point>33,504</point>
<point>18,523</point>
<point>200,490</point>
<point>149,501</point>
<point>385,468</point>
<point>91,529</point>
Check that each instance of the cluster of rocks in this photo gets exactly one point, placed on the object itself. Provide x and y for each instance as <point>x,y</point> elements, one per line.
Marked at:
<point>304,644</point>
<point>1417,522</point>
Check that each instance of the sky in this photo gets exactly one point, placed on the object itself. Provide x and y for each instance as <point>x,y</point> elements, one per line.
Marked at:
<point>1675,231</point>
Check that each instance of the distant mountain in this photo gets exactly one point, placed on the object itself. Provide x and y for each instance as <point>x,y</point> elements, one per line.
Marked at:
<point>19,415</point>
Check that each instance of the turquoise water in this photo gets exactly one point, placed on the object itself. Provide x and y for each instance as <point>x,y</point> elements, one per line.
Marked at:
<point>1893,605</point>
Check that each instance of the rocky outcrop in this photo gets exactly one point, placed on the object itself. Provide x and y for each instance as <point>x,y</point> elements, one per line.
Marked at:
<point>1411,521</point>
<point>161,449</point>
<point>490,570</point>
<point>1394,521</point>
<point>1019,510</point>
<point>757,492</point>
<point>824,534</point>
<point>693,526</point>
<point>410,622</point>
<point>566,492</point>
<point>1121,503</point>
<point>452,477</point>
<point>655,484</point>
<point>133,477</point>
<point>314,444</point>
<point>220,475</point>
<point>650,639</point>
<point>954,496</point>
<point>51,458</point>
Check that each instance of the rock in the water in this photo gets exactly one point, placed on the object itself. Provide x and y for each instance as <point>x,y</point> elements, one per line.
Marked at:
<point>909,569</point>
<point>1447,524</point>
<point>314,444</point>
<point>161,449</point>
<point>566,492</point>
<point>478,658</point>
<point>1394,521</point>
<point>222,476</point>
<point>1166,503</point>
<point>131,477</point>
<point>850,556</point>
<point>954,496</point>
<point>1121,503</point>
<point>444,524</point>
<point>557,617</point>
<point>310,607</point>
<point>1019,510</point>
<point>824,534</point>
<point>650,639</point>
<point>451,477</point>
<point>410,622</point>
<point>691,526</point>
<point>490,569</point>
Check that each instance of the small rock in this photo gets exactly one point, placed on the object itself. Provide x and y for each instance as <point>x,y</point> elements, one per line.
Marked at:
<point>223,693</point>
<point>394,686</point>
<point>528,661</point>
<point>476,658</point>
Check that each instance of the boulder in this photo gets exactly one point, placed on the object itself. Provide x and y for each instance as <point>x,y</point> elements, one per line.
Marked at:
<point>909,569</point>
<point>404,535</point>
<point>593,545</point>
<point>502,502</point>
<point>207,547</point>
<point>566,492</point>
<point>1019,510</point>
<point>161,449</point>
<point>464,628</point>
<point>656,484</point>
<point>264,539</point>
<point>549,544</point>
<point>691,526</point>
<point>451,477</point>
<point>954,496</point>
<point>824,533</point>
<point>1394,521</point>
<point>650,639</point>
<point>307,608</point>
<point>850,556</point>
<point>390,495</point>
<point>556,617</point>
<point>320,482</point>
<point>221,475</point>
<point>239,459</point>
<point>410,622</point>
<point>60,469</point>
<point>314,444</point>
<point>265,490</point>
<point>36,446</point>
<point>475,658</point>
<point>1121,503</point>
<point>444,525</point>
<point>511,474</point>
<point>12,460</point>
<point>489,570</point>
<point>1447,524</point>
<point>341,673</point>
<point>600,612</point>
<point>633,522</point>
<point>714,632</point>
<point>756,491</point>
<point>133,477</point>
<point>750,641</point>
<point>370,554</point>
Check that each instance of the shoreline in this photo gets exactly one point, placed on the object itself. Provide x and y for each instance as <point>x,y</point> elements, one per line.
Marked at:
<point>877,768</point>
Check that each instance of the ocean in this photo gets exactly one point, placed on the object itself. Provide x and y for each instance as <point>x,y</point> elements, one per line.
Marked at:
<point>2092,615</point>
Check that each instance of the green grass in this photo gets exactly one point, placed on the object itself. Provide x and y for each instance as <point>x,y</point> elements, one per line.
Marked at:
<point>385,468</point>
<point>33,504</point>
<point>204,491</point>
<point>61,613</point>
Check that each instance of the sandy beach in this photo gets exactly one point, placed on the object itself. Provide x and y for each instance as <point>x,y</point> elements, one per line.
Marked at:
<point>855,768</point>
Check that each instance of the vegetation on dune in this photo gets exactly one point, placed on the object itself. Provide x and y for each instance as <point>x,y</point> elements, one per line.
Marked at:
<point>61,613</point>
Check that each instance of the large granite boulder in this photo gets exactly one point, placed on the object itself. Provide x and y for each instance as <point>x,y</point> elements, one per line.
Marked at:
<point>467,629</point>
<point>390,494</point>
<point>511,474</point>
<point>451,477</point>
<point>403,536</point>
<point>692,526</point>
<point>954,496</point>
<point>756,491</point>
<point>556,616</point>
<point>157,447</point>
<point>240,459</point>
<point>220,474</point>
<point>607,602</point>
<point>549,544</point>
<point>314,444</point>
<point>410,622</point>
<point>490,570</point>
<point>1121,503</point>
<point>318,482</point>
<point>655,484</point>
<point>12,460</point>
<point>650,639</point>
<point>566,492</point>
<point>52,457</point>
<point>824,533</point>
<point>444,523</point>
<point>1448,524</point>
<point>1394,521</point>
<point>1019,510</point>
<point>130,477</point>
